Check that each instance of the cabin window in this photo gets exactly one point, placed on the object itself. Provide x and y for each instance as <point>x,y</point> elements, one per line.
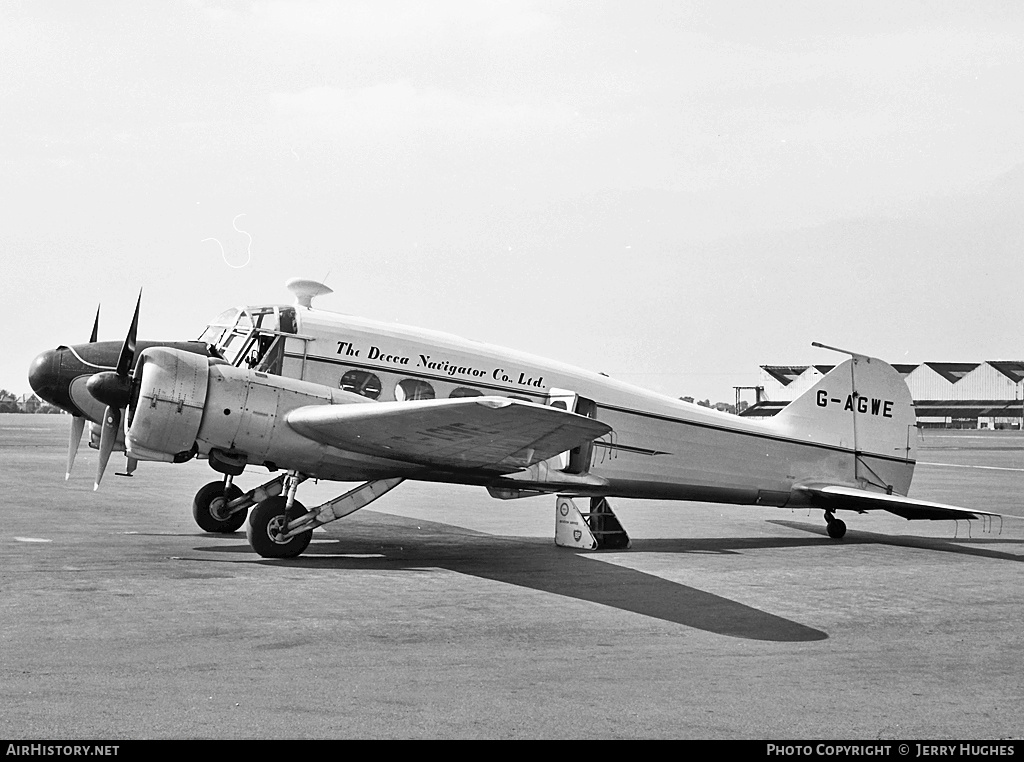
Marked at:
<point>362,383</point>
<point>410,389</point>
<point>465,391</point>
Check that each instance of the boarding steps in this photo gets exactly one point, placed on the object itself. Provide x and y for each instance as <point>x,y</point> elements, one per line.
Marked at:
<point>599,529</point>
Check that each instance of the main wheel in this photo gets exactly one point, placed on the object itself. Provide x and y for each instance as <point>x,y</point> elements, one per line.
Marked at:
<point>209,501</point>
<point>266,525</point>
<point>836,529</point>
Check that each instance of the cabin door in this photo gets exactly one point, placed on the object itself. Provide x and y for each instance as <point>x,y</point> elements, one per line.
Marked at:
<point>577,460</point>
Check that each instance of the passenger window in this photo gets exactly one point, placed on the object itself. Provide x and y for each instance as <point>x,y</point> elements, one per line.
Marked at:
<point>362,383</point>
<point>465,391</point>
<point>410,389</point>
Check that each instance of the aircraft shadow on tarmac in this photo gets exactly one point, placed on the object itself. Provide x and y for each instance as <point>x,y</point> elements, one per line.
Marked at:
<point>968,545</point>
<point>374,540</point>
<point>378,541</point>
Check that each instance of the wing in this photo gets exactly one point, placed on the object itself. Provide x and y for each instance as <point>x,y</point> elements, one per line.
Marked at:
<point>495,434</point>
<point>860,500</point>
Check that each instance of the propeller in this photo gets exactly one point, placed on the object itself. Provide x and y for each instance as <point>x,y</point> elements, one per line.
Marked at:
<point>113,388</point>
<point>95,326</point>
<point>78,422</point>
<point>77,427</point>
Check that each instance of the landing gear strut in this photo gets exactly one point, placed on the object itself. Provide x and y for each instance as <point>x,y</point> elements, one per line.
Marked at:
<point>280,527</point>
<point>836,527</point>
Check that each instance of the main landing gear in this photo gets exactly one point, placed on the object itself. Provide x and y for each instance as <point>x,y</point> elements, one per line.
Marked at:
<point>268,533</point>
<point>280,526</point>
<point>274,529</point>
<point>836,527</point>
<point>210,508</point>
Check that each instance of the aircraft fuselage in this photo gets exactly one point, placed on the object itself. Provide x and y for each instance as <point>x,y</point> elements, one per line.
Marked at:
<point>659,447</point>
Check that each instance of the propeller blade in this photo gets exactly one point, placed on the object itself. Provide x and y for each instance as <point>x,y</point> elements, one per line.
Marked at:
<point>77,427</point>
<point>115,390</point>
<point>127,357</point>
<point>114,387</point>
<point>95,327</point>
<point>108,438</point>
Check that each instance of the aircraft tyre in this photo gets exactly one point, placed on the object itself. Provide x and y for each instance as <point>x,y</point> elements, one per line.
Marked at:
<point>836,529</point>
<point>202,509</point>
<point>266,523</point>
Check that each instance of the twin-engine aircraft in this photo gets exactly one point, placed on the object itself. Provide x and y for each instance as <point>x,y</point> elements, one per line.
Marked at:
<point>316,394</point>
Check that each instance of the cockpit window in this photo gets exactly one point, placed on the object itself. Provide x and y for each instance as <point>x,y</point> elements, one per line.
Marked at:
<point>246,335</point>
<point>215,330</point>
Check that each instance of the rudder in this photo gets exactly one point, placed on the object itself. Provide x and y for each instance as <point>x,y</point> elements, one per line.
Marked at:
<point>862,407</point>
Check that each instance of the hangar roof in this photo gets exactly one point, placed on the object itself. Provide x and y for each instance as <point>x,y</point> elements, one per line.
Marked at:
<point>952,371</point>
<point>784,374</point>
<point>1012,369</point>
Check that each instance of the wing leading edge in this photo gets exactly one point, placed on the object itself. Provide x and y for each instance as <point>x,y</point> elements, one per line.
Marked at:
<point>850,498</point>
<point>494,434</point>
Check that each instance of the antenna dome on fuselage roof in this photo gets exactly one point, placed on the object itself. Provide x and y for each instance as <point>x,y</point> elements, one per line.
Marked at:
<point>305,290</point>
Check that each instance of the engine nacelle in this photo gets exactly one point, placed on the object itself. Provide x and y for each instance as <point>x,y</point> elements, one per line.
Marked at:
<point>164,419</point>
<point>183,403</point>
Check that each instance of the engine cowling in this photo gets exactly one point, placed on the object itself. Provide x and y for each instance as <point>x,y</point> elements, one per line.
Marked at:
<point>183,404</point>
<point>167,404</point>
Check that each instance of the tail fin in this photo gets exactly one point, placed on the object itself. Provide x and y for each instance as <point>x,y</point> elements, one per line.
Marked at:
<point>863,413</point>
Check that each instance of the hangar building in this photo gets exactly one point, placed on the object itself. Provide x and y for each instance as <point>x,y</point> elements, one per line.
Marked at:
<point>956,395</point>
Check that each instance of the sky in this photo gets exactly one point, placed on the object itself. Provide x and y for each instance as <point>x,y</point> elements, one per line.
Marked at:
<point>673,193</point>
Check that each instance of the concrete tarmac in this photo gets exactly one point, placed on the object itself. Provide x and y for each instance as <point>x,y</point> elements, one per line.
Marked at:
<point>442,613</point>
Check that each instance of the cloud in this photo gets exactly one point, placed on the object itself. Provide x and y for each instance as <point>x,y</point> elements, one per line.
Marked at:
<point>402,20</point>
<point>401,105</point>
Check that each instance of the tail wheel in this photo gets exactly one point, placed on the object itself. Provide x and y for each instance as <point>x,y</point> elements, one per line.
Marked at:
<point>208,505</point>
<point>266,526</point>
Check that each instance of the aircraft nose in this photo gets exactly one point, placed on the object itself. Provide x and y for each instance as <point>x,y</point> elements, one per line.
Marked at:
<point>43,374</point>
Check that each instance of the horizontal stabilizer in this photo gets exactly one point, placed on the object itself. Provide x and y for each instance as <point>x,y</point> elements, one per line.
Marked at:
<point>496,434</point>
<point>860,500</point>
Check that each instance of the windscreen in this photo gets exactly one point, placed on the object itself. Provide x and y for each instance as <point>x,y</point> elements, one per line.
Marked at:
<point>247,336</point>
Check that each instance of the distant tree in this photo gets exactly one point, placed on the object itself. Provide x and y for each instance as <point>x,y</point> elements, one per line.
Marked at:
<point>705,403</point>
<point>8,402</point>
<point>686,399</point>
